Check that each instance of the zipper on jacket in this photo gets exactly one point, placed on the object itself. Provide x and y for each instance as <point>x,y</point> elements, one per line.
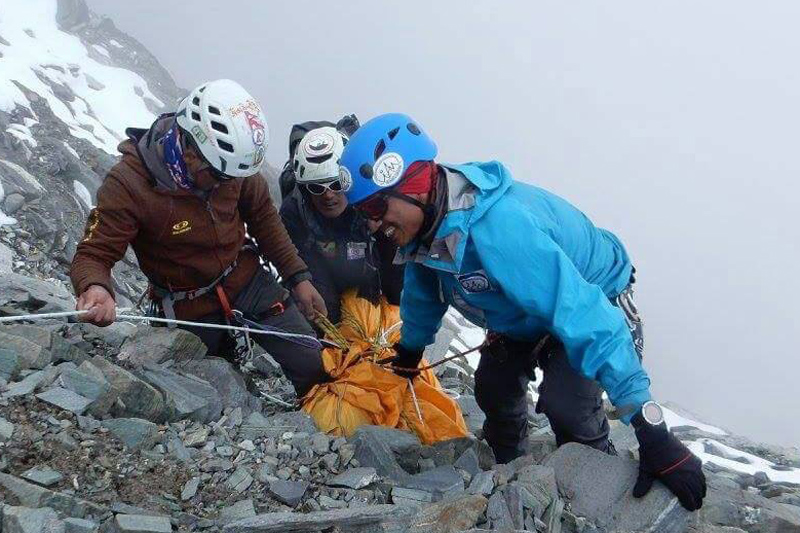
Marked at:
<point>210,210</point>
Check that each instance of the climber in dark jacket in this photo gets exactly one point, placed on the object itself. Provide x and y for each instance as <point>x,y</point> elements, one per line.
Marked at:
<point>334,240</point>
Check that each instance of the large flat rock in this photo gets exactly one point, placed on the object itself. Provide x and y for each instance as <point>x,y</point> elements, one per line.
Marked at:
<point>598,488</point>
<point>185,396</point>
<point>134,397</point>
<point>149,345</point>
<point>374,518</point>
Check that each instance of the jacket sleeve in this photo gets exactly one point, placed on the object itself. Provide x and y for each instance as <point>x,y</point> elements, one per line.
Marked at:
<point>264,224</point>
<point>535,273</point>
<point>111,226</point>
<point>421,308</point>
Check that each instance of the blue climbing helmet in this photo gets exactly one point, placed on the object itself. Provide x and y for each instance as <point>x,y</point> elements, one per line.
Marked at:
<point>379,152</point>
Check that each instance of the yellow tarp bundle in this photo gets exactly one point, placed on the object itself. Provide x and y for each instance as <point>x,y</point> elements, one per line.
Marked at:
<point>364,392</point>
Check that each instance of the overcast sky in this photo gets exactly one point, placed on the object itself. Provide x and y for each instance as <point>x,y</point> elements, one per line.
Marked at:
<point>674,124</point>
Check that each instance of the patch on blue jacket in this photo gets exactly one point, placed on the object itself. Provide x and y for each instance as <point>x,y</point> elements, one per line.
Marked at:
<point>474,282</point>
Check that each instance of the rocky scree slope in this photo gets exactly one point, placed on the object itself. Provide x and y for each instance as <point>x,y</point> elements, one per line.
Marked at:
<point>131,428</point>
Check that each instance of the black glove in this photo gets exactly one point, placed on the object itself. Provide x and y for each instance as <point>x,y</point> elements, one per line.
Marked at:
<point>662,456</point>
<point>406,359</point>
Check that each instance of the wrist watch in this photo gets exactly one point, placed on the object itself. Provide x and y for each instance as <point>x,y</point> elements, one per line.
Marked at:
<point>650,414</point>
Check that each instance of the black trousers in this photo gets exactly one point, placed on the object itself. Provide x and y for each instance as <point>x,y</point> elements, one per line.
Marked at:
<point>572,403</point>
<point>302,365</point>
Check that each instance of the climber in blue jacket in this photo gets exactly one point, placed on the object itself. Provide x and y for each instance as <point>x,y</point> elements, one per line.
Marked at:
<point>553,291</point>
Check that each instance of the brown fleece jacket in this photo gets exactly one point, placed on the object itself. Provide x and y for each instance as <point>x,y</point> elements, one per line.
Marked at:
<point>181,241</point>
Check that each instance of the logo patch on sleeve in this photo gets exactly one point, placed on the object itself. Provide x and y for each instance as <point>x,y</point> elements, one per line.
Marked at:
<point>474,282</point>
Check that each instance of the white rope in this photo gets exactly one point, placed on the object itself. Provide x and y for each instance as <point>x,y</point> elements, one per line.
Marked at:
<point>41,316</point>
<point>216,326</point>
<point>63,314</point>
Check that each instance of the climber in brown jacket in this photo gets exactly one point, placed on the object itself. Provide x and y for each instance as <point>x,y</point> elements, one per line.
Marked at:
<point>181,196</point>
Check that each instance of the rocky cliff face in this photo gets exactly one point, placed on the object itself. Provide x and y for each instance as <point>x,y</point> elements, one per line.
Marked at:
<point>132,428</point>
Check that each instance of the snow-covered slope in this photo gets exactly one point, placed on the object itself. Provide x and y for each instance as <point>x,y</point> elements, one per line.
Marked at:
<point>78,80</point>
<point>70,84</point>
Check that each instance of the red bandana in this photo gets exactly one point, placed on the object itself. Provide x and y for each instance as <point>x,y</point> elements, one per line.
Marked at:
<point>420,178</point>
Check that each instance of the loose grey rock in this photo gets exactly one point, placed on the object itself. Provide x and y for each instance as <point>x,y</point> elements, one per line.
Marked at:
<point>384,518</point>
<point>176,449</point>
<point>726,506</point>
<point>31,355</point>
<point>217,465</point>
<point>354,478</point>
<point>26,386</point>
<point>27,293</point>
<point>225,380</point>
<point>238,511</point>
<point>225,451</point>
<point>540,482</point>
<point>12,203</point>
<point>326,502</point>
<point>30,495</point>
<point>89,384</point>
<point>247,445</point>
<point>320,443</point>
<point>430,486</point>
<point>190,489</point>
<point>458,514</point>
<point>27,520</point>
<point>197,438</point>
<point>498,514</point>
<point>6,430</point>
<point>240,480</point>
<point>149,345</point>
<point>43,475</point>
<point>288,492</point>
<point>136,399</point>
<point>134,433</point>
<point>371,449</point>
<point>65,399</point>
<point>79,525</point>
<point>10,364</point>
<point>482,484</point>
<point>468,461</point>
<point>473,415</point>
<point>131,523</point>
<point>185,396</point>
<point>598,488</point>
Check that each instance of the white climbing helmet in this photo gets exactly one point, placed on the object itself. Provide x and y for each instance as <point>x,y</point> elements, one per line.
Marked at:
<point>227,126</point>
<point>317,156</point>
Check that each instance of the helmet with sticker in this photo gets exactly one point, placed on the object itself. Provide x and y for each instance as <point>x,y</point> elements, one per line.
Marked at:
<point>227,126</point>
<point>380,152</point>
<point>318,155</point>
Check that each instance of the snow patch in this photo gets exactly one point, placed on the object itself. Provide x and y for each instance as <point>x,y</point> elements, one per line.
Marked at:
<point>83,193</point>
<point>102,51</point>
<point>22,133</point>
<point>65,58</point>
<point>754,463</point>
<point>114,43</point>
<point>71,150</point>
<point>675,420</point>
<point>5,219</point>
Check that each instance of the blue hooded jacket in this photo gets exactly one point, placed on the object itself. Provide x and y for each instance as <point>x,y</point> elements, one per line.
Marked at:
<point>523,262</point>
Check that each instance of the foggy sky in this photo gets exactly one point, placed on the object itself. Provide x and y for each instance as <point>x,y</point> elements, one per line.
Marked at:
<point>673,124</point>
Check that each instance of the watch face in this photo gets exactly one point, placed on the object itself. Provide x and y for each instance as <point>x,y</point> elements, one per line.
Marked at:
<point>652,413</point>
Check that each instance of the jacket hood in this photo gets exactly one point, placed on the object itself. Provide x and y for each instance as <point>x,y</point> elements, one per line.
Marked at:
<point>472,189</point>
